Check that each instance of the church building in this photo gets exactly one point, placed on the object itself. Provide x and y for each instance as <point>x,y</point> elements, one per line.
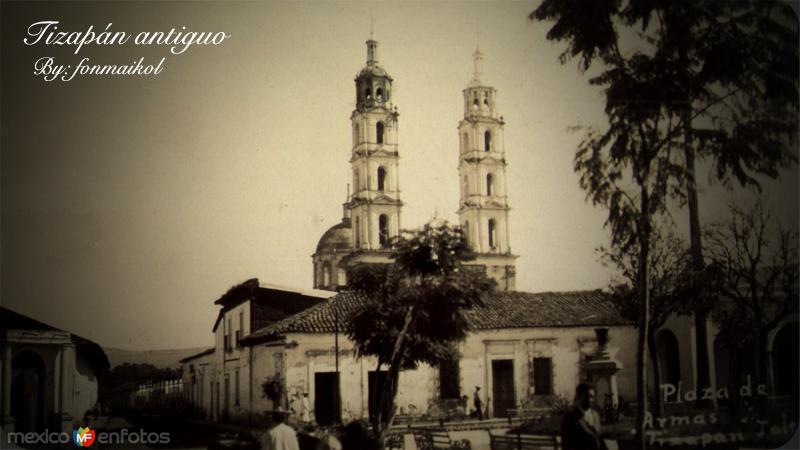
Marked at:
<point>525,348</point>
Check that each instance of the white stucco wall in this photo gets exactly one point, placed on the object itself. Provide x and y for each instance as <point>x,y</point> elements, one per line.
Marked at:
<point>84,388</point>
<point>300,356</point>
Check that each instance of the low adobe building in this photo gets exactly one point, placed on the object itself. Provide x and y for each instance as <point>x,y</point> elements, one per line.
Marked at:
<point>49,377</point>
<point>524,350</point>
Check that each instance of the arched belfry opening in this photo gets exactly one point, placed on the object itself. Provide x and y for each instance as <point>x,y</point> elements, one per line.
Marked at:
<point>383,230</point>
<point>379,132</point>
<point>381,179</point>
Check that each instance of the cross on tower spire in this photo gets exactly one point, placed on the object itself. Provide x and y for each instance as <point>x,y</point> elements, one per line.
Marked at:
<point>477,59</point>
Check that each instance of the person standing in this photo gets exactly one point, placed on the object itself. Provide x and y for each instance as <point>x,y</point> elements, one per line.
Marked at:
<point>580,428</point>
<point>477,403</point>
<point>305,410</point>
<point>280,436</point>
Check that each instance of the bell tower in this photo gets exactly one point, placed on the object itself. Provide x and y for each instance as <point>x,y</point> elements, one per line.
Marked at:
<point>375,201</point>
<point>483,210</point>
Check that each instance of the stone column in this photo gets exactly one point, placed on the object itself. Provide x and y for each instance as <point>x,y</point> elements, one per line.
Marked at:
<point>66,359</point>
<point>6,420</point>
<point>612,384</point>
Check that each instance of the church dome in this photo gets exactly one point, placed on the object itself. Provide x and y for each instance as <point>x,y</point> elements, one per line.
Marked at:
<point>372,70</point>
<point>338,238</point>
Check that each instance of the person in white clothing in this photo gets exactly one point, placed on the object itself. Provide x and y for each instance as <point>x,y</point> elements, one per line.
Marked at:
<point>280,436</point>
<point>305,412</point>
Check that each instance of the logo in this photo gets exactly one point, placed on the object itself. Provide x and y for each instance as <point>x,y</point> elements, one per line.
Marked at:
<point>83,437</point>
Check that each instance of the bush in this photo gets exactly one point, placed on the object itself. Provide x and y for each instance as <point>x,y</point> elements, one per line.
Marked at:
<point>559,405</point>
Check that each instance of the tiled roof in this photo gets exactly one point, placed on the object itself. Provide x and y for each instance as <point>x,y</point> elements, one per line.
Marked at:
<point>92,351</point>
<point>500,310</point>
<point>205,352</point>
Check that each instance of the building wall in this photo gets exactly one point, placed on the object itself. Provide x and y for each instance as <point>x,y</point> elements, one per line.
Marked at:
<point>232,364</point>
<point>307,354</point>
<point>85,386</point>
<point>314,353</point>
<point>567,347</point>
<point>198,378</point>
<point>300,356</point>
<point>267,362</point>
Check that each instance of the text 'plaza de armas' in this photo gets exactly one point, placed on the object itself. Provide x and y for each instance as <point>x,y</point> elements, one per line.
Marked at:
<point>525,348</point>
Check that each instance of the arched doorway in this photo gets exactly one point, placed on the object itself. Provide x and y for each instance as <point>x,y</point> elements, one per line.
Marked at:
<point>786,360</point>
<point>668,357</point>
<point>27,391</point>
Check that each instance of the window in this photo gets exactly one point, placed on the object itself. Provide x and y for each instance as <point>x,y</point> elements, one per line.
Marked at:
<point>341,277</point>
<point>466,231</point>
<point>228,327</point>
<point>381,178</point>
<point>241,321</point>
<point>449,378</point>
<point>236,388</point>
<point>326,275</point>
<point>356,186</point>
<point>358,233</point>
<point>489,184</point>
<point>367,93</point>
<point>356,135</point>
<point>492,233</point>
<point>379,132</point>
<point>542,376</point>
<point>383,230</point>
<point>379,94</point>
<point>487,140</point>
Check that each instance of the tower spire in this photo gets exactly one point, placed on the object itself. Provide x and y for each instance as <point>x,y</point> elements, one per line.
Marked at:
<point>372,44</point>
<point>483,212</point>
<point>477,60</point>
<point>371,26</point>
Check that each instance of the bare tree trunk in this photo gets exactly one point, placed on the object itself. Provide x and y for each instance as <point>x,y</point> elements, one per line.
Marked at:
<point>702,359</point>
<point>658,407</point>
<point>389,392</point>
<point>644,317</point>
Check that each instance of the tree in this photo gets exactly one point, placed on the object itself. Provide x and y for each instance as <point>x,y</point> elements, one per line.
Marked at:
<point>629,170</point>
<point>731,84</point>
<point>415,309</point>
<point>671,278</point>
<point>756,264</point>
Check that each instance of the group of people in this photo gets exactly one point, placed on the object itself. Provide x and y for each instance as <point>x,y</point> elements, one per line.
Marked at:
<point>580,427</point>
<point>281,436</point>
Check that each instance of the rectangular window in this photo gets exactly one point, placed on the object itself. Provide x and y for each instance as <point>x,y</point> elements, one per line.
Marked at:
<point>542,376</point>
<point>228,344</point>
<point>449,379</point>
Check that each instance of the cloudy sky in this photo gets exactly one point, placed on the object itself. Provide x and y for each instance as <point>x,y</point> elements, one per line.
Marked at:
<point>129,204</point>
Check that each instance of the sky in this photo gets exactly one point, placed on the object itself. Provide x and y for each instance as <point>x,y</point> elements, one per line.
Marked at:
<point>130,204</point>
